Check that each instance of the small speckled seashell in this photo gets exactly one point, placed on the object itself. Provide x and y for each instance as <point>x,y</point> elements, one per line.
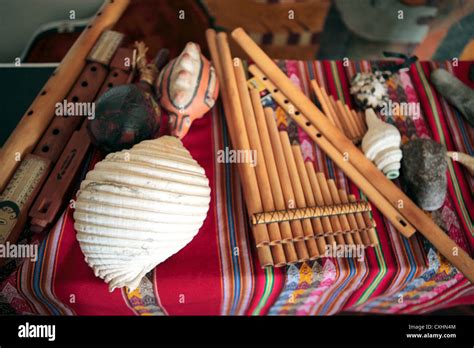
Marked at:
<point>381,144</point>
<point>138,207</point>
<point>188,88</point>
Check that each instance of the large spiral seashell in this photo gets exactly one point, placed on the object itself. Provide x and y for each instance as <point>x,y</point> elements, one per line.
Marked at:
<point>138,207</point>
<point>381,144</point>
<point>188,88</point>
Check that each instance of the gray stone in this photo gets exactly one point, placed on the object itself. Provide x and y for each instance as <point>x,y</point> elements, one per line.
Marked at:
<point>424,173</point>
<point>455,92</point>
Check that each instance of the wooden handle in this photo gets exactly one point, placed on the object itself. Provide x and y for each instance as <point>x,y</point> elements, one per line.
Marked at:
<point>411,213</point>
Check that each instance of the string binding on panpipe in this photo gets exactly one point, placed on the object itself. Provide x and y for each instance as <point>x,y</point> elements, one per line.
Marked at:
<point>310,212</point>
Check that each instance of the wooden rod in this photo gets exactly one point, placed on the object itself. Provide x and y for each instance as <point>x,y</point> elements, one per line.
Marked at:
<point>318,196</point>
<point>269,160</point>
<point>299,194</point>
<point>263,252</point>
<point>341,160</point>
<point>309,196</point>
<point>38,116</point>
<point>296,226</point>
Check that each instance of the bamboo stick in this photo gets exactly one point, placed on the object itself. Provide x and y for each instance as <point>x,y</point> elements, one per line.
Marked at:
<point>351,219</point>
<point>347,127</point>
<point>288,194</point>
<point>260,168</point>
<point>354,120</point>
<point>361,224</point>
<point>230,107</point>
<point>318,196</point>
<point>324,104</point>
<point>360,121</point>
<point>269,159</point>
<point>309,196</point>
<point>327,198</point>
<point>299,194</point>
<point>38,116</point>
<point>342,218</point>
<point>350,122</point>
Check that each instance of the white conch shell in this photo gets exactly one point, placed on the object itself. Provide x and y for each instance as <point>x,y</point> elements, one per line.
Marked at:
<point>138,207</point>
<point>185,74</point>
<point>381,144</point>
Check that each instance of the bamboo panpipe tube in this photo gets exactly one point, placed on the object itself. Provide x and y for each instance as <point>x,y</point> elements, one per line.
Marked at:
<point>355,121</point>
<point>382,203</point>
<point>342,218</point>
<point>299,194</point>
<point>324,104</point>
<point>318,196</point>
<point>351,219</point>
<point>340,114</point>
<point>38,116</point>
<point>296,226</point>
<point>309,196</point>
<point>269,160</point>
<point>350,122</point>
<point>371,232</point>
<point>263,252</point>
<point>360,121</point>
<point>361,224</point>
<point>254,142</point>
<point>340,122</point>
<point>326,194</point>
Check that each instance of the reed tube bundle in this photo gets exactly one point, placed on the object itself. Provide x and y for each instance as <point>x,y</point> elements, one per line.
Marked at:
<point>281,184</point>
<point>405,215</point>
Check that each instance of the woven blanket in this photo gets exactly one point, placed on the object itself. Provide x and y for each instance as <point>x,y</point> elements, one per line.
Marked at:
<point>218,273</point>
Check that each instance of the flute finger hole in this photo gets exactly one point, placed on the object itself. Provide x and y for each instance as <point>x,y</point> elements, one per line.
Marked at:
<point>297,113</point>
<point>318,135</point>
<point>308,123</point>
<point>30,113</point>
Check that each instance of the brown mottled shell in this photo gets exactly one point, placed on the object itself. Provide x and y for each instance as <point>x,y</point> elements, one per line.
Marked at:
<point>187,88</point>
